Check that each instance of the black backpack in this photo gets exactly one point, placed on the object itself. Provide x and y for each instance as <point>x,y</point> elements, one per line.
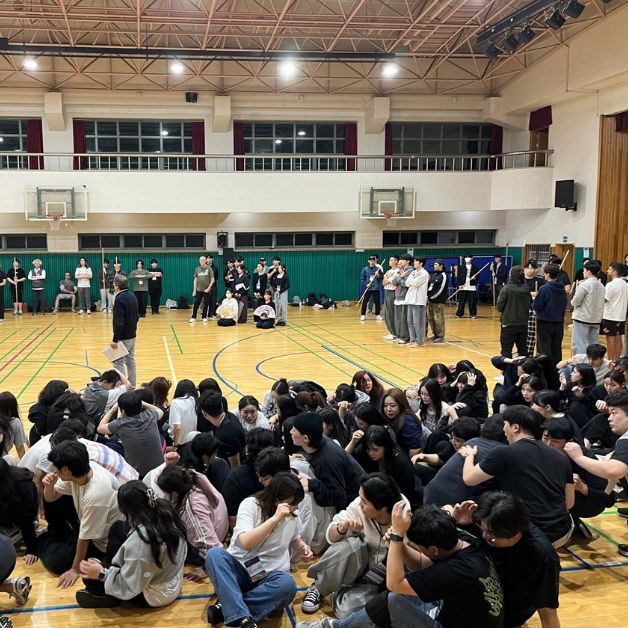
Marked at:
<point>183,303</point>
<point>311,299</point>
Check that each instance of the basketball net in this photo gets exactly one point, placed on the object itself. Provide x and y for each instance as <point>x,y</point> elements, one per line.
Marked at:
<point>391,218</point>
<point>55,222</point>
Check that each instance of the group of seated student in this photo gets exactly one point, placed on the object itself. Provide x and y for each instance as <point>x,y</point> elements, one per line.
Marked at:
<point>410,507</point>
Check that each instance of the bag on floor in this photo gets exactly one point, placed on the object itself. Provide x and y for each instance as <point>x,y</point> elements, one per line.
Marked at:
<point>183,303</point>
<point>171,304</point>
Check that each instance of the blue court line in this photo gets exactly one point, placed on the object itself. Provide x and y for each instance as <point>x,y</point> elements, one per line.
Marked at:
<point>65,607</point>
<point>579,558</point>
<point>290,616</point>
<point>284,355</point>
<point>602,566</point>
<point>215,361</point>
<point>360,366</point>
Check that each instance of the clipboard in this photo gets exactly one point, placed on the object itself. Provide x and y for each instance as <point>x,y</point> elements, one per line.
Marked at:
<point>115,354</point>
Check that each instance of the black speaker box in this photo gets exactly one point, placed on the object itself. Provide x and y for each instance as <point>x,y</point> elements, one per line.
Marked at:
<point>222,239</point>
<point>565,194</point>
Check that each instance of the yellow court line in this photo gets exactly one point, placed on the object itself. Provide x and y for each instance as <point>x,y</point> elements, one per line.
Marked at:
<point>175,381</point>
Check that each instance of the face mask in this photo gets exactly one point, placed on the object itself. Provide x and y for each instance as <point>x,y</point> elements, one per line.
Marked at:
<point>467,259</point>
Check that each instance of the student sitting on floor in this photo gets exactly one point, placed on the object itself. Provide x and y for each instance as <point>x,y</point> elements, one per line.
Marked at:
<point>11,427</point>
<point>250,415</point>
<point>227,311</point>
<point>19,588</point>
<point>251,578</point>
<point>182,419</point>
<point>201,454</point>
<point>38,412</point>
<point>146,554</point>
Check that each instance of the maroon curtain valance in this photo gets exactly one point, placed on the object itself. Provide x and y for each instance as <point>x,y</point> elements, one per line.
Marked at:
<point>540,119</point>
<point>35,143</point>
<point>496,148</point>
<point>351,143</point>
<point>238,144</point>
<point>621,122</point>
<point>80,145</point>
<point>198,144</point>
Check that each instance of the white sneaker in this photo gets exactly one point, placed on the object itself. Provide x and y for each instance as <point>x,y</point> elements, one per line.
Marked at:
<point>389,337</point>
<point>80,311</point>
<point>362,318</point>
<point>379,318</point>
<point>401,342</point>
<point>89,311</point>
<point>192,320</point>
<point>204,320</point>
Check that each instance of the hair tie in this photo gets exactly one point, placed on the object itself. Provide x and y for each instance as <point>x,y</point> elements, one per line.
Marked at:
<point>152,500</point>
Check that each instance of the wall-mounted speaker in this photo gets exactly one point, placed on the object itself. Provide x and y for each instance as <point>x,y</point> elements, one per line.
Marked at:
<point>565,195</point>
<point>222,239</point>
<point>191,96</point>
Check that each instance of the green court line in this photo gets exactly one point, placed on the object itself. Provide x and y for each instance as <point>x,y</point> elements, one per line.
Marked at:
<point>176,338</point>
<point>36,373</point>
<point>610,539</point>
<point>609,511</point>
<point>379,355</point>
<point>18,364</point>
<point>4,355</point>
<point>309,350</point>
<point>9,336</point>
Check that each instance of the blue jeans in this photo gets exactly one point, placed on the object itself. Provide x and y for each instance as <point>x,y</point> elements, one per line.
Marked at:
<point>406,611</point>
<point>238,595</point>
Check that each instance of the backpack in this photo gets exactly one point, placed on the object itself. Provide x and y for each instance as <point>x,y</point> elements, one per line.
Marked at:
<point>311,299</point>
<point>95,400</point>
<point>296,301</point>
<point>183,303</point>
<point>323,299</point>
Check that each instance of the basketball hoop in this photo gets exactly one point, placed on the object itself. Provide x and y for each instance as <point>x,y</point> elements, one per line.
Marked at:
<point>391,218</point>
<point>55,221</point>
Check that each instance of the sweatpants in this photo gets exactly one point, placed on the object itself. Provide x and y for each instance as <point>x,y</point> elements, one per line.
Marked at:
<point>514,334</point>
<point>367,296</point>
<point>583,335</point>
<point>401,322</point>
<point>281,306</point>
<point>416,323</point>
<point>436,319</point>
<point>549,339</point>
<point>472,297</point>
<point>389,311</point>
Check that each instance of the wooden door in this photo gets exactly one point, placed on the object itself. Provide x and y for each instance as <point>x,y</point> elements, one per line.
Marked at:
<point>539,140</point>
<point>566,252</point>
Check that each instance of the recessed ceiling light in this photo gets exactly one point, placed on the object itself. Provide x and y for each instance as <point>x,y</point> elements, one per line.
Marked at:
<point>301,133</point>
<point>30,63</point>
<point>176,67</point>
<point>288,68</point>
<point>1,139</point>
<point>277,141</point>
<point>390,69</point>
<point>164,132</point>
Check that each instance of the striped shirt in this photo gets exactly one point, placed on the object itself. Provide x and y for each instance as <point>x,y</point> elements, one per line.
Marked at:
<point>111,460</point>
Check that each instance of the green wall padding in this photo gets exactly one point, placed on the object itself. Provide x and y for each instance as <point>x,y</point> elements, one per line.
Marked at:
<point>332,272</point>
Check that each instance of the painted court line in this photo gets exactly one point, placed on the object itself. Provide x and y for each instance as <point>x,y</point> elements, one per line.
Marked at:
<point>356,364</point>
<point>43,331</point>
<point>169,358</point>
<point>24,359</point>
<point>176,338</point>
<point>233,389</point>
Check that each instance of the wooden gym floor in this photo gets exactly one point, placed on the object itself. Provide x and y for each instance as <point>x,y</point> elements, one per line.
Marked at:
<point>326,346</point>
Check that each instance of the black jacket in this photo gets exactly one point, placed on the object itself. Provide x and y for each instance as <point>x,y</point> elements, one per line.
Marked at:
<point>461,275</point>
<point>475,399</point>
<point>501,273</point>
<point>437,288</point>
<point>280,284</point>
<point>244,282</point>
<point>125,316</point>
<point>24,515</point>
<point>263,282</point>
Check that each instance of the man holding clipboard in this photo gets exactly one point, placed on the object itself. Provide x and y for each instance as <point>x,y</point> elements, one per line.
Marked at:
<point>125,317</point>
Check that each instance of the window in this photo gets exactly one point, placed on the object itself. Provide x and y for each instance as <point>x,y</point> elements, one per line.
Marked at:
<point>438,238</point>
<point>289,240</point>
<point>13,139</point>
<point>34,242</point>
<point>294,138</point>
<point>139,136</point>
<point>88,241</point>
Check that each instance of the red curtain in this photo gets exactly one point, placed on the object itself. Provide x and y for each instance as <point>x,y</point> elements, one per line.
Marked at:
<point>540,119</point>
<point>198,144</point>
<point>497,140</point>
<point>35,144</point>
<point>238,144</point>
<point>388,147</point>
<point>351,143</point>
<point>80,146</point>
<point>621,122</point>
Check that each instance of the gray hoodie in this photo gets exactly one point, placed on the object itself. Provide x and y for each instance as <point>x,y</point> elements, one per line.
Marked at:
<point>588,302</point>
<point>133,571</point>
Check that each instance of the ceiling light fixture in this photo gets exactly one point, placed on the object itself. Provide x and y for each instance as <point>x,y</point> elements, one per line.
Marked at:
<point>30,63</point>
<point>390,69</point>
<point>511,42</point>
<point>277,141</point>
<point>176,67</point>
<point>492,51</point>
<point>573,9</point>
<point>527,34</point>
<point>301,133</point>
<point>287,69</point>
<point>164,132</point>
<point>555,20</point>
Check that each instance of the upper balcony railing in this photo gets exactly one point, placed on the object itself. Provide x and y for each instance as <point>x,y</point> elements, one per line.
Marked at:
<point>151,162</point>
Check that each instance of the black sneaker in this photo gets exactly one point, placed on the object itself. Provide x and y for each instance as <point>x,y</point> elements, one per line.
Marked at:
<point>622,549</point>
<point>248,622</point>
<point>5,622</point>
<point>85,599</point>
<point>623,512</point>
<point>582,529</point>
<point>311,601</point>
<point>214,614</point>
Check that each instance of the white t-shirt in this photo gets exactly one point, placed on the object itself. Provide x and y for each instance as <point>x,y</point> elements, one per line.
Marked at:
<point>274,551</point>
<point>616,300</point>
<point>261,421</point>
<point>15,435</point>
<point>83,275</point>
<point>37,456</point>
<point>96,504</point>
<point>183,413</point>
<point>467,283</point>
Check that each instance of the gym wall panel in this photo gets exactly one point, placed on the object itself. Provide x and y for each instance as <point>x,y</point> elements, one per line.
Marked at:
<point>335,273</point>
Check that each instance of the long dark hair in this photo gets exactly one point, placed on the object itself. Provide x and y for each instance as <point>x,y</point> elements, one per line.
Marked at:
<point>310,400</point>
<point>9,498</point>
<point>379,436</point>
<point>70,401</point>
<point>339,430</point>
<point>377,390</point>
<point>52,391</point>
<point>181,481</point>
<point>436,393</point>
<point>286,407</point>
<point>8,405</point>
<point>160,387</point>
<point>282,487</point>
<point>185,387</point>
<point>161,524</point>
<point>438,368</point>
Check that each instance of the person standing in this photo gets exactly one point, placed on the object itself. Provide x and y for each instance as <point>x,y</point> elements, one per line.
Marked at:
<point>371,279</point>
<point>615,306</point>
<point>67,290</point>
<point>213,291</point>
<point>203,280</point>
<point>389,297</point>
<point>281,284</point>
<point>155,286</point>
<point>274,269</point>
<point>140,278</point>
<point>514,303</point>
<point>125,317</point>
<point>466,275</point>
<point>499,272</point>
<point>534,282</point>
<point>37,277</point>
<point>229,276</point>
<point>588,308</point>
<point>3,282</point>
<point>550,305</point>
<point>404,267</point>
<point>83,275</point>
<point>105,283</point>
<point>437,297</point>
<point>16,277</point>
<point>260,281</point>
<point>242,283</point>
<point>416,299</point>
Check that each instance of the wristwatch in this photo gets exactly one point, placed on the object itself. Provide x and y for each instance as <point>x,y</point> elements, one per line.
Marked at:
<point>101,576</point>
<point>395,537</point>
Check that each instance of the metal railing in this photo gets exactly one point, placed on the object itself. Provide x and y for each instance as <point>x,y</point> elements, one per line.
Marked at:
<point>151,162</point>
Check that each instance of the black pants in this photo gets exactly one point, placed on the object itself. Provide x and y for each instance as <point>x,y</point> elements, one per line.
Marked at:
<point>155,297</point>
<point>1,303</point>
<point>376,301</point>
<point>225,322</point>
<point>514,335</point>
<point>549,340</point>
<point>244,308</point>
<point>142,301</point>
<point>213,300</point>
<point>269,323</point>
<point>204,297</point>
<point>472,297</point>
<point>38,301</point>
